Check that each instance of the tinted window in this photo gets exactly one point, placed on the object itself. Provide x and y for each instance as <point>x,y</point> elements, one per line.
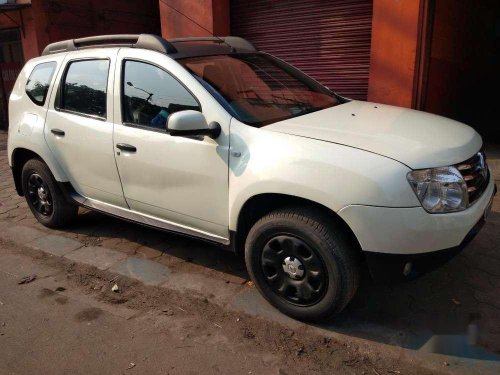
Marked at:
<point>150,94</point>
<point>85,87</point>
<point>259,88</point>
<point>38,84</point>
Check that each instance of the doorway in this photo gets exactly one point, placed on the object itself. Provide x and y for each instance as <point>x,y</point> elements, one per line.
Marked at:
<point>11,63</point>
<point>464,65</point>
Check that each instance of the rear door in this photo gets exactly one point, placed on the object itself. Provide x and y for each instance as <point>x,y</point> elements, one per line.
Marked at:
<point>79,124</point>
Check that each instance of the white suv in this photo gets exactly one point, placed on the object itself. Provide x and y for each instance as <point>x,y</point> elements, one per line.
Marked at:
<point>210,138</point>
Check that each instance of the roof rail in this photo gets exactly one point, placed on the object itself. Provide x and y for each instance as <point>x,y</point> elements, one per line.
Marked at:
<point>233,41</point>
<point>146,41</point>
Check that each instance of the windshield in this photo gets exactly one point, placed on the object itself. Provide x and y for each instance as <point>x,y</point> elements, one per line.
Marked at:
<point>260,89</point>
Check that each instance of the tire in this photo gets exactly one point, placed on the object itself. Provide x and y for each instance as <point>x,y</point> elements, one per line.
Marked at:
<point>44,197</point>
<point>319,254</point>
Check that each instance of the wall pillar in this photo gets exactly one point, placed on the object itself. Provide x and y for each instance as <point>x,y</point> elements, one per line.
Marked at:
<point>211,15</point>
<point>35,36</point>
<point>395,52</point>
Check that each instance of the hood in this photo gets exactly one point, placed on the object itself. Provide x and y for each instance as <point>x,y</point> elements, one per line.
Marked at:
<point>417,139</point>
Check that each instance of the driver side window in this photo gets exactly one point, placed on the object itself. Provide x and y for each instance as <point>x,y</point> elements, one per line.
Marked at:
<point>150,95</point>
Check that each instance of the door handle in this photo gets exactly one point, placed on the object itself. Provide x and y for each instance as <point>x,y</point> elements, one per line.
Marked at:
<point>58,132</point>
<point>126,147</point>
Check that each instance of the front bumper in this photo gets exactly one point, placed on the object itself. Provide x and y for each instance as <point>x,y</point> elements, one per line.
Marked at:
<point>412,230</point>
<point>404,243</point>
<point>395,267</point>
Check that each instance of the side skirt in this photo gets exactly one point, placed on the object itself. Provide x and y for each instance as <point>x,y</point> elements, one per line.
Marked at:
<point>136,217</point>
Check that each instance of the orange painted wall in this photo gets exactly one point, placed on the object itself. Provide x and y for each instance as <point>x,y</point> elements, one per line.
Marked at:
<point>33,35</point>
<point>212,15</point>
<point>52,20</point>
<point>393,52</point>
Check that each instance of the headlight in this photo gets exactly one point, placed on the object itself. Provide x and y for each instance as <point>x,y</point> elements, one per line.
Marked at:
<point>439,189</point>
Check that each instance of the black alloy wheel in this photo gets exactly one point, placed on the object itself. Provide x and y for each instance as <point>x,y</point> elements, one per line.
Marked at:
<point>294,270</point>
<point>39,195</point>
<point>303,262</point>
<point>44,197</point>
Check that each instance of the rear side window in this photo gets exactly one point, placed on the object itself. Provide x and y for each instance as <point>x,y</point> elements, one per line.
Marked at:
<point>38,83</point>
<point>85,86</point>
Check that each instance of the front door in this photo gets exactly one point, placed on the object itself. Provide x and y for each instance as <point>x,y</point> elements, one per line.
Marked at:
<point>181,180</point>
<point>79,125</point>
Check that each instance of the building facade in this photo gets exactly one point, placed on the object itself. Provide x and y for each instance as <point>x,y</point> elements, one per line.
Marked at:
<point>442,56</point>
<point>27,26</point>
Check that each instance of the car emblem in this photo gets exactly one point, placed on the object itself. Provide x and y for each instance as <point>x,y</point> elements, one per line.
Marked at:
<point>482,165</point>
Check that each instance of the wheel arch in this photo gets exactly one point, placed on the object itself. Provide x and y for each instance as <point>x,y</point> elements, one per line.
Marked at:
<point>259,205</point>
<point>20,156</point>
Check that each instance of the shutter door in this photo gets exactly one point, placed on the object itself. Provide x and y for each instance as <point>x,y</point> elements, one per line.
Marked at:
<point>329,40</point>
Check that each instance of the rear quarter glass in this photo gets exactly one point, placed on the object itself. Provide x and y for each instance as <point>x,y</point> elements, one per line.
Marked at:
<point>38,82</point>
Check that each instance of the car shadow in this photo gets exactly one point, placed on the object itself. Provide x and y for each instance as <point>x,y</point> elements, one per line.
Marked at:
<point>453,310</point>
<point>94,228</point>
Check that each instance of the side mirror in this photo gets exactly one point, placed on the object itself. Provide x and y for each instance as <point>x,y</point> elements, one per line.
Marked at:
<point>191,123</point>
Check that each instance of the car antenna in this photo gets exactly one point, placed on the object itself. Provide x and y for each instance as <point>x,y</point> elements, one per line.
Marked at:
<point>197,24</point>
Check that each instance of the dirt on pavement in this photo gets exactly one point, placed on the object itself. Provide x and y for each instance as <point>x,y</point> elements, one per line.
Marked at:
<point>195,319</point>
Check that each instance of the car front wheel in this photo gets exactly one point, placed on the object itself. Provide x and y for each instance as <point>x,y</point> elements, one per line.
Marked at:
<point>302,263</point>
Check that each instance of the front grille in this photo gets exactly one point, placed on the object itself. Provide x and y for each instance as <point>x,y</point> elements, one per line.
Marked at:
<point>476,175</point>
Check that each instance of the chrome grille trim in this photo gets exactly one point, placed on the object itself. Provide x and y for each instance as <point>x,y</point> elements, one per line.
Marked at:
<point>476,175</point>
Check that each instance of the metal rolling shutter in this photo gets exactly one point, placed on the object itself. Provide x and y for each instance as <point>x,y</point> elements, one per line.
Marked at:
<point>329,40</point>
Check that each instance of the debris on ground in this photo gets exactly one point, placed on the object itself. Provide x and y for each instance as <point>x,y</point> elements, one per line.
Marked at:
<point>168,312</point>
<point>115,288</point>
<point>27,279</point>
<point>248,334</point>
<point>217,325</point>
<point>456,302</point>
<point>131,366</point>
<point>446,364</point>
<point>288,332</point>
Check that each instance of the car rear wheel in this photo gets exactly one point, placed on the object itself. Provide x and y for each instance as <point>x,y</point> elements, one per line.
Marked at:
<point>44,197</point>
<point>302,263</point>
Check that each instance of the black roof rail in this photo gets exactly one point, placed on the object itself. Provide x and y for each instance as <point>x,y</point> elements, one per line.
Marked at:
<point>233,41</point>
<point>146,41</point>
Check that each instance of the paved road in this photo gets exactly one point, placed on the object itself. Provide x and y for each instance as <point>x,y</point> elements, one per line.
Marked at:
<point>45,331</point>
<point>432,314</point>
<point>69,320</point>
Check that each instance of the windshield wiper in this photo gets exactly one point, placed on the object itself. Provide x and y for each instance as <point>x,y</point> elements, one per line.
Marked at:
<point>303,107</point>
<point>259,98</point>
<point>293,101</point>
